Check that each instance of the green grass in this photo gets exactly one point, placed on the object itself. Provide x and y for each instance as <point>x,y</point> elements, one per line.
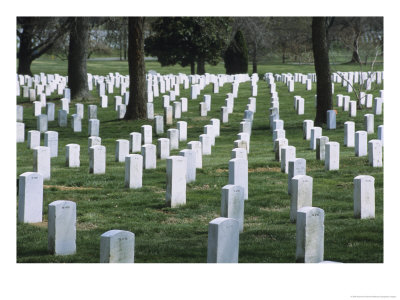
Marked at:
<point>179,235</point>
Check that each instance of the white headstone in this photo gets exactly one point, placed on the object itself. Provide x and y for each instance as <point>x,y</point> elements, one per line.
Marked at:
<point>182,127</point>
<point>41,161</point>
<point>320,151</point>
<point>62,227</point>
<point>97,159</point>
<point>30,197</point>
<point>232,203</point>
<point>168,115</point>
<point>163,148</point>
<point>364,197</point>
<point>50,108</point>
<point>310,235</point>
<point>307,125</point>
<point>190,164</point>
<point>296,167</point>
<point>369,123</point>
<point>20,132</point>
<point>147,134</point>
<point>121,150</point>
<point>94,127</point>
<point>206,142</point>
<point>315,132</point>
<point>92,112</point>
<point>159,125</point>
<point>380,133</point>
<point>72,155</point>
<point>349,134</point>
<point>302,187</point>
<point>93,141</point>
<point>223,241</point>
<point>375,153</point>
<point>239,153</point>
<point>33,138</point>
<point>332,153</point>
<point>361,143</point>
<point>238,174</point>
<point>149,156</point>
<point>176,181</point>
<point>133,171</point>
<point>196,146</point>
<point>288,153</point>
<point>117,246</point>
<point>62,118</point>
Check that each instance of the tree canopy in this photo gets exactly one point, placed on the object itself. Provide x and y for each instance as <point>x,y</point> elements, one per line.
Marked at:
<point>188,40</point>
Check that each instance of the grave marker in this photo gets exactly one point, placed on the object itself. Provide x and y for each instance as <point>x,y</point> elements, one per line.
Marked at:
<point>97,159</point>
<point>223,241</point>
<point>133,171</point>
<point>176,181</point>
<point>30,197</point>
<point>72,155</point>
<point>117,246</point>
<point>364,197</point>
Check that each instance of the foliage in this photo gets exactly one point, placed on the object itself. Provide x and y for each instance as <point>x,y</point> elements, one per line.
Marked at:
<point>187,40</point>
<point>236,56</point>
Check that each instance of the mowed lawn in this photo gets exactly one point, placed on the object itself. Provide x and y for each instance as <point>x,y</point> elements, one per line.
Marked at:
<point>179,235</point>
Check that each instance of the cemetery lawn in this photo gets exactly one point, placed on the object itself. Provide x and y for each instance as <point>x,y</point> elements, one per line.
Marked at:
<point>179,235</point>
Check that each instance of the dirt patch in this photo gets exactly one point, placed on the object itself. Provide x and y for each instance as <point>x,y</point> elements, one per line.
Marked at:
<point>69,188</point>
<point>86,226</point>
<point>221,170</point>
<point>273,209</point>
<point>259,170</point>
<point>43,224</point>
<point>201,188</point>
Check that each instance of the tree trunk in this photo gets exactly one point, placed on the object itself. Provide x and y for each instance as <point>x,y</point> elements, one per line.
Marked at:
<point>356,56</point>
<point>24,54</point>
<point>137,108</point>
<point>255,58</point>
<point>78,53</point>
<point>201,66</point>
<point>322,69</point>
<point>192,68</point>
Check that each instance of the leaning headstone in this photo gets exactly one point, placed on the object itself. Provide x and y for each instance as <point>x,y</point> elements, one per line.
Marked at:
<point>20,132</point>
<point>375,153</point>
<point>349,134</point>
<point>332,152</point>
<point>62,118</point>
<point>310,235</point>
<point>33,139</point>
<point>295,167</point>
<point>94,127</point>
<point>50,109</point>
<point>121,150</point>
<point>182,127</point>
<point>369,123</point>
<point>30,197</point>
<point>331,119</point>
<point>159,125</point>
<point>51,141</point>
<point>238,174</point>
<point>176,181</point>
<point>232,203</point>
<point>307,125</point>
<point>320,152</point>
<point>117,246</point>
<point>196,146</point>
<point>190,164</point>
<point>302,187</point>
<point>41,161</point>
<point>133,171</point>
<point>72,155</point>
<point>288,153</point>
<point>315,132</point>
<point>163,148</point>
<point>62,227</point>
<point>149,156</point>
<point>97,159</point>
<point>223,241</point>
<point>361,143</point>
<point>364,197</point>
